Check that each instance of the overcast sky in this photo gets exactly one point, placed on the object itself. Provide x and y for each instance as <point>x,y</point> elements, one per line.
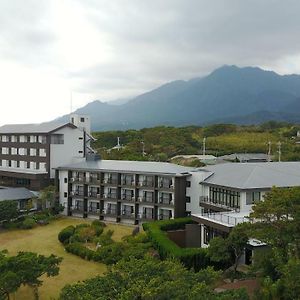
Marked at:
<point>120,48</point>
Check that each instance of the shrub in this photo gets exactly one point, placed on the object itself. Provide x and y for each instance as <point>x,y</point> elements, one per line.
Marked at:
<point>110,254</point>
<point>98,223</point>
<point>65,234</point>
<point>28,223</point>
<point>105,238</point>
<point>196,258</point>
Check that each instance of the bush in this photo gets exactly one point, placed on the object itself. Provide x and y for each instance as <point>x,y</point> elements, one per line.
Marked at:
<point>110,254</point>
<point>28,223</point>
<point>98,223</point>
<point>65,234</point>
<point>105,238</point>
<point>196,258</point>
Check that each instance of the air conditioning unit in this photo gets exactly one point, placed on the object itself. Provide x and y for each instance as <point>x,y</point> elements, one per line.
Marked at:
<point>140,199</point>
<point>140,183</point>
<point>105,196</point>
<point>72,179</point>
<point>105,180</point>
<point>171,186</point>
<point>72,193</point>
<point>98,195</point>
<point>133,198</point>
<point>97,210</point>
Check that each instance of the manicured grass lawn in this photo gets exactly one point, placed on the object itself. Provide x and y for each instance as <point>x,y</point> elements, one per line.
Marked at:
<point>43,240</point>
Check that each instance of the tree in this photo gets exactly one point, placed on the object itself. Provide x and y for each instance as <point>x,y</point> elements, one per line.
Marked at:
<point>47,197</point>
<point>149,278</point>
<point>25,268</point>
<point>223,250</point>
<point>8,210</point>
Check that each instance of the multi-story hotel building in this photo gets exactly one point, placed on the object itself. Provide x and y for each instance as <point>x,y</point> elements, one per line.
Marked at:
<point>123,191</point>
<point>30,152</point>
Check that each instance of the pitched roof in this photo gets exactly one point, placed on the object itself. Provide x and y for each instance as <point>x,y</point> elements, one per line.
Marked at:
<point>129,166</point>
<point>254,175</point>
<point>15,194</point>
<point>32,128</point>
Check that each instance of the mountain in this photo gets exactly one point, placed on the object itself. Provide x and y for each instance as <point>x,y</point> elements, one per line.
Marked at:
<point>228,93</point>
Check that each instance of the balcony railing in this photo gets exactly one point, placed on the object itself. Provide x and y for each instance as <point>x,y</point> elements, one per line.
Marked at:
<point>146,199</point>
<point>128,197</point>
<point>94,195</point>
<point>147,216</point>
<point>110,211</point>
<point>128,214</point>
<point>77,193</point>
<point>94,210</point>
<point>165,185</point>
<point>94,180</point>
<point>225,218</point>
<point>164,217</point>
<point>166,201</point>
<point>146,183</point>
<point>112,196</point>
<point>77,208</point>
<point>129,182</point>
<point>110,181</point>
<point>78,179</point>
<point>212,202</point>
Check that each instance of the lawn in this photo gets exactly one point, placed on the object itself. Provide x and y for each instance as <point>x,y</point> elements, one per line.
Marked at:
<point>43,240</point>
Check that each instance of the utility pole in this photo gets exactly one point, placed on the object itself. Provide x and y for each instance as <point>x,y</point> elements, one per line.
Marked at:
<point>279,151</point>
<point>203,149</point>
<point>118,143</point>
<point>269,151</point>
<point>143,150</point>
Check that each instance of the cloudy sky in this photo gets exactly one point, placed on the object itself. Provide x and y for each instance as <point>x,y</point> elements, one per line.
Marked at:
<point>110,49</point>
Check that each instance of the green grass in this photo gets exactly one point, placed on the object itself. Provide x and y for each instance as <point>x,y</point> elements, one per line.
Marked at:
<point>43,240</point>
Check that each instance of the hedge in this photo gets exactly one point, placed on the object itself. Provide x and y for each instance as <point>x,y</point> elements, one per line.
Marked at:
<point>65,234</point>
<point>196,258</point>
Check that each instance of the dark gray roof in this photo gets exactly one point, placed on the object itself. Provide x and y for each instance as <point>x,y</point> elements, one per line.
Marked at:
<point>32,128</point>
<point>254,175</point>
<point>15,194</point>
<point>129,166</point>
<point>245,156</point>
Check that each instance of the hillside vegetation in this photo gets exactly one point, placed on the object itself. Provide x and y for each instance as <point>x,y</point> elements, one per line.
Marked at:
<point>162,143</point>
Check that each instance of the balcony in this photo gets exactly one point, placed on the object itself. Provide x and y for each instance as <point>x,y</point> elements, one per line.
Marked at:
<point>94,195</point>
<point>111,181</point>
<point>77,209</point>
<point>209,203</point>
<point>226,219</point>
<point>146,216</point>
<point>164,185</point>
<point>164,217</point>
<point>78,180</point>
<point>94,181</point>
<point>77,194</point>
<point>110,212</point>
<point>128,182</point>
<point>128,214</point>
<point>110,196</point>
<point>94,210</point>
<point>146,199</point>
<point>146,183</point>
<point>166,201</point>
<point>128,197</point>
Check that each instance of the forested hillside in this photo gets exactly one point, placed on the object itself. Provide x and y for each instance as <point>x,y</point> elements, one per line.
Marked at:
<point>162,143</point>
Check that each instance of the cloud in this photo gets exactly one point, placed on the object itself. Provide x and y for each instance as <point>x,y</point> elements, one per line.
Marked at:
<point>112,49</point>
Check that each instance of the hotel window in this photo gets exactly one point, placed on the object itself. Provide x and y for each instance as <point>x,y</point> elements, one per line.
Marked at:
<point>188,184</point>
<point>81,120</point>
<point>18,164</point>
<point>32,152</point>
<point>28,165</point>
<point>188,199</point>
<point>42,152</point>
<point>224,197</point>
<point>9,163</point>
<point>28,138</point>
<point>65,180</point>
<point>42,139</point>
<point>65,194</point>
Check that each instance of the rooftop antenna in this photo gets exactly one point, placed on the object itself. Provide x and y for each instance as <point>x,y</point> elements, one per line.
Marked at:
<point>269,151</point>
<point>204,142</point>
<point>279,151</point>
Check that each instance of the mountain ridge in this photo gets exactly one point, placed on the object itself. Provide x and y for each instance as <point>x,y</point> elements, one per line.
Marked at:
<point>227,93</point>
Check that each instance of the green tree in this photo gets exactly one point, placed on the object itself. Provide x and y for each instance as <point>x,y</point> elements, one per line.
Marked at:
<point>231,248</point>
<point>8,210</point>
<point>47,197</point>
<point>25,268</point>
